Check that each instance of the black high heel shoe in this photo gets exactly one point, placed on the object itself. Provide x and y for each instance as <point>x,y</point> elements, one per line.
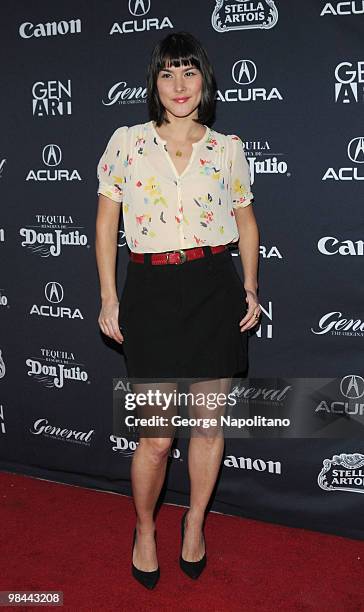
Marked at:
<point>147,579</point>
<point>193,569</point>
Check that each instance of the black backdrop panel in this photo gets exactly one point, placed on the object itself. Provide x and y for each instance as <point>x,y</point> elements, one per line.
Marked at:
<point>297,103</point>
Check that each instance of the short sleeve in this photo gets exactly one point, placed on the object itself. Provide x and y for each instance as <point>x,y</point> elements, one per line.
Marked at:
<point>111,165</point>
<point>241,194</point>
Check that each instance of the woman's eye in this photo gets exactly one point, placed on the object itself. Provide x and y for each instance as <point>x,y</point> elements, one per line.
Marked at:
<point>190,72</point>
<point>165,74</point>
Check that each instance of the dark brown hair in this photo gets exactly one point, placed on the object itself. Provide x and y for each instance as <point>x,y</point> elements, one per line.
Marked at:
<point>181,48</point>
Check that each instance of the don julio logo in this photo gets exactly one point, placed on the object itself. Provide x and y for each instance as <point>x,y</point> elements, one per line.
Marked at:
<point>244,15</point>
<point>127,447</point>
<point>56,367</point>
<point>262,160</point>
<point>50,234</point>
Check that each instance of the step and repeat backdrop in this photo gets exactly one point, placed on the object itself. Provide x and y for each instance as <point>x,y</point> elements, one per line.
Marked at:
<point>291,85</point>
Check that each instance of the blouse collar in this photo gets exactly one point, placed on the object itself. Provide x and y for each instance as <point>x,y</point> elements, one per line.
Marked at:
<point>194,144</point>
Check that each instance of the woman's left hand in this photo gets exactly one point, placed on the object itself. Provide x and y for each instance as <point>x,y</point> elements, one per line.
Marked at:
<point>252,316</point>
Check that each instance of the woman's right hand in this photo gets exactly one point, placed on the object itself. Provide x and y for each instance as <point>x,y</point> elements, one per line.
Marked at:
<point>109,320</point>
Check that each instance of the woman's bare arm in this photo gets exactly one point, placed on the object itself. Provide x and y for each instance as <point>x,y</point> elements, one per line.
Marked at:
<point>249,253</point>
<point>106,238</point>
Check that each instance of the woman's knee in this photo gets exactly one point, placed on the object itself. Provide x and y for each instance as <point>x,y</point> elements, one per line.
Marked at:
<point>157,448</point>
<point>208,435</point>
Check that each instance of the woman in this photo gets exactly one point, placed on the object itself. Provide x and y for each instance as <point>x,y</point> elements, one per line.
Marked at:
<point>184,312</point>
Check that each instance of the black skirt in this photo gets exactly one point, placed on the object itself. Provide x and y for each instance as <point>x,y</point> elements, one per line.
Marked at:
<point>182,320</point>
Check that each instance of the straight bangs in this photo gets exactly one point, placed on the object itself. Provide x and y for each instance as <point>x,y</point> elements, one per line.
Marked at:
<point>177,60</point>
<point>177,50</point>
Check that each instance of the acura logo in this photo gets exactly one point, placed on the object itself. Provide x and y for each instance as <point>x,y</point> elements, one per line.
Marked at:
<point>54,292</point>
<point>356,150</point>
<point>52,155</point>
<point>244,72</point>
<point>352,386</point>
<point>138,8</point>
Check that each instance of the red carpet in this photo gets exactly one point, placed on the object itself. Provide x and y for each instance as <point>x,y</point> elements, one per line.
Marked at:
<point>60,537</point>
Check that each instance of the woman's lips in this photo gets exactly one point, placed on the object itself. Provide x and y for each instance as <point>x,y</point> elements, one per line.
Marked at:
<point>180,100</point>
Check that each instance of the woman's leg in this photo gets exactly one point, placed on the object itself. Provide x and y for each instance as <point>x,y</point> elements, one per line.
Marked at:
<point>205,452</point>
<point>148,471</point>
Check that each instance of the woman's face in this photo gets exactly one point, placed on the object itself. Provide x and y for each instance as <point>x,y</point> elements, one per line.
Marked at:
<point>180,89</point>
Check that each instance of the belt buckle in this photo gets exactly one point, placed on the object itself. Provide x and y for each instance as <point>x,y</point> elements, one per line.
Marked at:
<point>182,253</point>
<point>183,256</point>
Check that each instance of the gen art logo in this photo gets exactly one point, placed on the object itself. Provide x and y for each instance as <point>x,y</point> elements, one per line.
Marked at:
<point>349,86</point>
<point>52,98</point>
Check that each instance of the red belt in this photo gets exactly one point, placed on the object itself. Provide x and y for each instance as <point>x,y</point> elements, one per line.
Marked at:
<point>175,257</point>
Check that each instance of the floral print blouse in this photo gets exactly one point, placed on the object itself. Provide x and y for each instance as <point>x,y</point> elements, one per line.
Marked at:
<point>164,210</point>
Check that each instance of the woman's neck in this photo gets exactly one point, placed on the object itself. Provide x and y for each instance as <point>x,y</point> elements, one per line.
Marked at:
<point>181,129</point>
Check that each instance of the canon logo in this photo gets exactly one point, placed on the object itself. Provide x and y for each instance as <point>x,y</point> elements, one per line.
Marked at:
<point>329,245</point>
<point>29,30</point>
<point>246,463</point>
